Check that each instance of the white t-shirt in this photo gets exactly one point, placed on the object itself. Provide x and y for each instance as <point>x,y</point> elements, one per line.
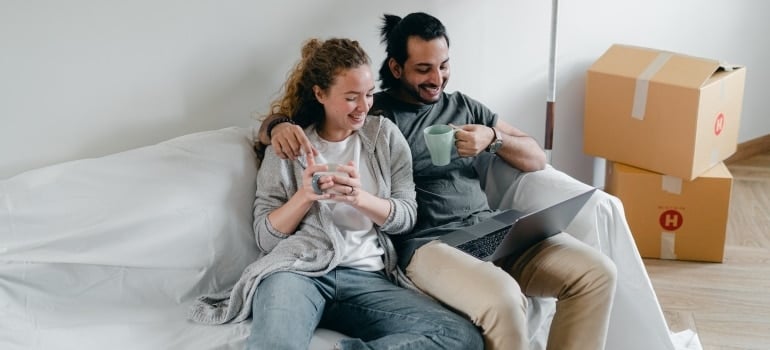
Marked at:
<point>361,250</point>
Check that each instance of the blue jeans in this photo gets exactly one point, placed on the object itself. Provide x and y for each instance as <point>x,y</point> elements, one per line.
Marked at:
<point>366,306</point>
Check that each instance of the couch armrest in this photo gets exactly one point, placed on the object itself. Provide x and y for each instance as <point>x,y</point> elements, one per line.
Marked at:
<point>510,188</point>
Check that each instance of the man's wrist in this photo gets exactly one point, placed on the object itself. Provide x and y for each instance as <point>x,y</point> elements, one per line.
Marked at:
<point>497,141</point>
<point>273,123</point>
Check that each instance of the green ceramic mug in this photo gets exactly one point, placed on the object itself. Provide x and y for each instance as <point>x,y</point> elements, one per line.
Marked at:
<point>440,140</point>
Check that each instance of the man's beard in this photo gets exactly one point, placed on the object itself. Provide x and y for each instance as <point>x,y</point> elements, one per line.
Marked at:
<point>415,94</point>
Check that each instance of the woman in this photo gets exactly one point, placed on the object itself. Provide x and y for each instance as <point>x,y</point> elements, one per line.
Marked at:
<point>329,262</point>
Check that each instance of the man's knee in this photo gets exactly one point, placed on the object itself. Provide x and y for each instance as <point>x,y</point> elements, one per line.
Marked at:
<point>589,269</point>
<point>600,276</point>
<point>503,310</point>
<point>504,293</point>
<point>608,271</point>
<point>498,303</point>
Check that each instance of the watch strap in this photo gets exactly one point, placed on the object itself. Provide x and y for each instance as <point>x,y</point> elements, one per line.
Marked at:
<point>273,123</point>
<point>497,141</point>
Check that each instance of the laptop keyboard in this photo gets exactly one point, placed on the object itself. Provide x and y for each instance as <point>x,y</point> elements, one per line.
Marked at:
<point>484,246</point>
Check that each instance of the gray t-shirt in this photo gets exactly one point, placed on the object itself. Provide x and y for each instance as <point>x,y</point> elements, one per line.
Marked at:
<point>448,196</point>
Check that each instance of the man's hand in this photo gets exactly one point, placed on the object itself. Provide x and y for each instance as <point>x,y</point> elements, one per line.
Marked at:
<point>472,139</point>
<point>289,141</point>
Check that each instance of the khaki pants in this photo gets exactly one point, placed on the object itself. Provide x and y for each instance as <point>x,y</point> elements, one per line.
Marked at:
<point>578,276</point>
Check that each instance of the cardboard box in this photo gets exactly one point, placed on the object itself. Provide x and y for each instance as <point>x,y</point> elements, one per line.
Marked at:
<point>661,111</point>
<point>671,218</point>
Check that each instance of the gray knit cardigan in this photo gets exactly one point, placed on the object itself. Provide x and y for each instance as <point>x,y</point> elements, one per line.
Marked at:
<point>311,249</point>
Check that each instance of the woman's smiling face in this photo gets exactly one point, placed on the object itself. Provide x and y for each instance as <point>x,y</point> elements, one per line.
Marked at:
<point>346,102</point>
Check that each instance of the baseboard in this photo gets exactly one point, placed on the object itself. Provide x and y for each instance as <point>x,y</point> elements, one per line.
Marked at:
<point>750,148</point>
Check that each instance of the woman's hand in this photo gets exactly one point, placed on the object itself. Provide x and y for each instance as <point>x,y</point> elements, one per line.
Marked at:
<point>349,191</point>
<point>287,217</point>
<point>348,188</point>
<point>340,188</point>
<point>308,193</point>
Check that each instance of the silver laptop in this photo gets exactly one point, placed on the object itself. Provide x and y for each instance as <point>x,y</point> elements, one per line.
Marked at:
<point>512,232</point>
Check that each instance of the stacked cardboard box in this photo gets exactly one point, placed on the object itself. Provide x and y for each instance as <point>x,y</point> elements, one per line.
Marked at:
<point>665,122</point>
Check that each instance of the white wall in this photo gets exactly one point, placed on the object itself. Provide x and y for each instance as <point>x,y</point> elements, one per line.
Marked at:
<point>85,78</point>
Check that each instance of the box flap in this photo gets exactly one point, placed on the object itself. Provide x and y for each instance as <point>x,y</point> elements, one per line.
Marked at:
<point>720,170</point>
<point>657,66</point>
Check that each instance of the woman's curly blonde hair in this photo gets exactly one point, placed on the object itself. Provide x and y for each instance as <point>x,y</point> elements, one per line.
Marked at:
<point>320,63</point>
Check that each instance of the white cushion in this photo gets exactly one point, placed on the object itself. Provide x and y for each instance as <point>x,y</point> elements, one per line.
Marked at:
<point>108,252</point>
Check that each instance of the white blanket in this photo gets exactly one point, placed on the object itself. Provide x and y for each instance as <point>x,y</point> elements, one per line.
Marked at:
<point>108,253</point>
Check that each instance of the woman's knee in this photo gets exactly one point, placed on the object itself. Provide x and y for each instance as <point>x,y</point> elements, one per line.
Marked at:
<point>467,336</point>
<point>284,281</point>
<point>452,331</point>
<point>280,288</point>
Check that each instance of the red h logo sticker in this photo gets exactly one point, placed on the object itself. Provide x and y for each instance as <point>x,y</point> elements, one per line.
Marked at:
<point>671,220</point>
<point>719,124</point>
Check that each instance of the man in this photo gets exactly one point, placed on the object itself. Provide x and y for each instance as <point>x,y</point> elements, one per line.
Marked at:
<point>413,77</point>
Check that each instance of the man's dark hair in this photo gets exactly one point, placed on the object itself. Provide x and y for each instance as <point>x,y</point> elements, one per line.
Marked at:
<point>395,32</point>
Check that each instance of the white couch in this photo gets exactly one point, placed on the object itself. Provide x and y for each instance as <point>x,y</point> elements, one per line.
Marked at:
<point>108,253</point>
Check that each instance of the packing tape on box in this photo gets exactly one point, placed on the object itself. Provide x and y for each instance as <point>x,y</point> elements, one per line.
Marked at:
<point>643,84</point>
<point>671,184</point>
<point>667,244</point>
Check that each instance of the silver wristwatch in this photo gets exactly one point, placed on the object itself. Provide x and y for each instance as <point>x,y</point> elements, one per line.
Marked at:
<point>496,143</point>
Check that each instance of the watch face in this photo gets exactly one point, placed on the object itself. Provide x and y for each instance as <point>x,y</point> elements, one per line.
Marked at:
<point>495,146</point>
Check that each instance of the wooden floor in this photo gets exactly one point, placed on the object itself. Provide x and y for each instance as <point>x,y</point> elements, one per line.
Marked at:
<point>727,304</point>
